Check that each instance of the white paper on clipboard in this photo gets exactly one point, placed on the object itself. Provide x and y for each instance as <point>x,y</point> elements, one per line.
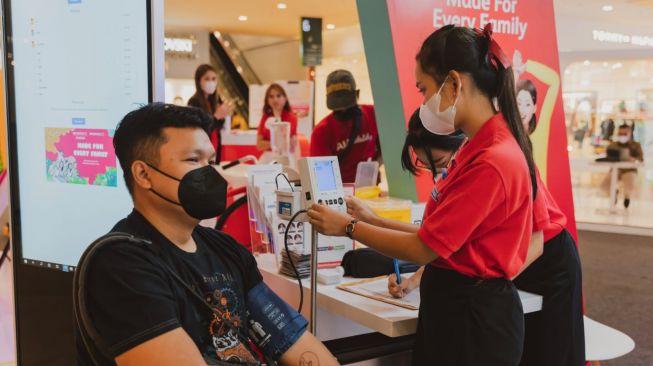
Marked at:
<point>377,288</point>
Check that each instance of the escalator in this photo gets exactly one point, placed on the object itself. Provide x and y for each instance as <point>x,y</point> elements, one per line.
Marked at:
<point>234,72</point>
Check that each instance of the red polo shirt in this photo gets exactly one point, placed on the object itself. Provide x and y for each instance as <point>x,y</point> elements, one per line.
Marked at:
<point>480,219</point>
<point>540,210</point>
<point>556,219</point>
<point>286,116</point>
<point>331,136</point>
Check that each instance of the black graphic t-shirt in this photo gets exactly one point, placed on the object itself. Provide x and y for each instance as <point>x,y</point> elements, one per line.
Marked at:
<point>132,298</point>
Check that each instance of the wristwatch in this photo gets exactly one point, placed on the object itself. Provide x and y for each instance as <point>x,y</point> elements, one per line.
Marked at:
<point>349,229</point>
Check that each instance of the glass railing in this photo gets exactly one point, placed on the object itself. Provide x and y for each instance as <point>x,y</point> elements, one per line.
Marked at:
<point>234,72</point>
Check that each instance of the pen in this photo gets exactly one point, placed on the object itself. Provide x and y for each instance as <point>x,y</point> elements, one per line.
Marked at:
<point>395,262</point>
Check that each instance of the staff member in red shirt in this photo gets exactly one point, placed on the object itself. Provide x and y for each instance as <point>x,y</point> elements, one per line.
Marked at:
<point>276,108</point>
<point>478,223</point>
<point>554,335</point>
<point>349,132</point>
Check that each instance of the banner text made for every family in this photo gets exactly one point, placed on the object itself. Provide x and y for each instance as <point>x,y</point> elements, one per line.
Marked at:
<point>512,25</point>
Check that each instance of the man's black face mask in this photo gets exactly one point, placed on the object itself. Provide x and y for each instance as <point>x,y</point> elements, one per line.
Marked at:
<point>347,114</point>
<point>202,192</point>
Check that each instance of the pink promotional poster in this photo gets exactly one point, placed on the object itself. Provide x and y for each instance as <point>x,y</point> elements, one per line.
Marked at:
<point>80,156</point>
<point>526,32</point>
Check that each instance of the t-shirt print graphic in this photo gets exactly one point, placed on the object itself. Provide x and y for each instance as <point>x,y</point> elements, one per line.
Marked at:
<point>226,306</point>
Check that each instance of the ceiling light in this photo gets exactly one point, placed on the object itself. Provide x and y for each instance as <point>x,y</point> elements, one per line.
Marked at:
<point>607,8</point>
<point>331,26</point>
<point>242,18</point>
<point>282,6</point>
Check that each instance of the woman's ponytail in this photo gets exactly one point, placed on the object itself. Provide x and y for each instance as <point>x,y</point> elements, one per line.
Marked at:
<point>507,101</point>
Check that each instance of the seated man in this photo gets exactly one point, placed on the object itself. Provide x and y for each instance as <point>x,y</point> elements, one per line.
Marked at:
<point>145,316</point>
<point>625,149</point>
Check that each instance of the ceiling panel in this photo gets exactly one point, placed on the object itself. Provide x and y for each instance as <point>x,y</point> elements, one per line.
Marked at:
<point>263,15</point>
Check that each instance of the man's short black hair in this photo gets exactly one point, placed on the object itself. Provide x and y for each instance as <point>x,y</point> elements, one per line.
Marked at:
<point>139,135</point>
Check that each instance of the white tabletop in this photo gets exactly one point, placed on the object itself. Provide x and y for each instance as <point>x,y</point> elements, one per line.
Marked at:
<point>390,320</point>
<point>238,137</point>
<point>619,164</point>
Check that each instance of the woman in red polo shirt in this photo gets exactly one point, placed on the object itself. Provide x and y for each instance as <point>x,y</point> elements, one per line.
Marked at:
<point>478,223</point>
<point>276,108</point>
<point>554,335</point>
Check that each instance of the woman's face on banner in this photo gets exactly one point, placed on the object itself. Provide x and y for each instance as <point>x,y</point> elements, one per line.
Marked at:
<point>526,107</point>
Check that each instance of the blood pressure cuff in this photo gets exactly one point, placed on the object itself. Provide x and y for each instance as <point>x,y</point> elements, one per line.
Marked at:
<point>273,325</point>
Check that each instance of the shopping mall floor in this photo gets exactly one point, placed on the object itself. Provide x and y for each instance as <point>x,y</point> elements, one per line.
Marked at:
<point>592,202</point>
<point>618,292</point>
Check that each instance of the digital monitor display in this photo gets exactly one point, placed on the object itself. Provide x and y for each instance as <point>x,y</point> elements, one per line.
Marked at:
<point>325,175</point>
<point>78,67</point>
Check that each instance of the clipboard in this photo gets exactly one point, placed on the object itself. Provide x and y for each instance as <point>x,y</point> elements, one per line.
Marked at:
<point>377,288</point>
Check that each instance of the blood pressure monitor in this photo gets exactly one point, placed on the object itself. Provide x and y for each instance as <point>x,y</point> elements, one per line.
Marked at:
<point>321,182</point>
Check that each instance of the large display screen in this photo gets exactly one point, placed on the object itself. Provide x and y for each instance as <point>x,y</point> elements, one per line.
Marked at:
<point>325,175</point>
<point>78,67</point>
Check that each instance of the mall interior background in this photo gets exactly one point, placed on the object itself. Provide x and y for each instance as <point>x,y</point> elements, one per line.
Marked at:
<point>598,76</point>
<point>602,78</point>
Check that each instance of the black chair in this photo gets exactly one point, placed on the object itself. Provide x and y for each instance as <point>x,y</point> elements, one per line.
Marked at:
<point>88,335</point>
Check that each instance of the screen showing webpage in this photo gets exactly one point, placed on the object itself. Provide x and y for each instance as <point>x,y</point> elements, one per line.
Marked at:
<point>79,67</point>
<point>326,177</point>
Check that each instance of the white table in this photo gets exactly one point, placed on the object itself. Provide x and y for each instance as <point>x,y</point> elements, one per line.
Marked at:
<point>342,314</point>
<point>614,176</point>
<point>238,138</point>
<point>605,343</point>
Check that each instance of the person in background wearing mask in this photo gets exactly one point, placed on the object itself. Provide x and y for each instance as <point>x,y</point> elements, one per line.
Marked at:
<point>628,150</point>
<point>207,99</point>
<point>478,223</point>
<point>276,108</point>
<point>144,315</point>
<point>350,132</point>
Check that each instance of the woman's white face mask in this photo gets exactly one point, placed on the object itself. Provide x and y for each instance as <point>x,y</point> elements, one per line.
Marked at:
<point>439,123</point>
<point>209,87</point>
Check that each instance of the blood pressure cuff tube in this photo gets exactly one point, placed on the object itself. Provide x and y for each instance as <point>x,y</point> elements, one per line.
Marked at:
<point>273,325</point>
